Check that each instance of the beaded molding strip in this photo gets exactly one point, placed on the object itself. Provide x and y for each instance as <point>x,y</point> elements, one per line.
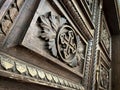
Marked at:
<point>15,66</point>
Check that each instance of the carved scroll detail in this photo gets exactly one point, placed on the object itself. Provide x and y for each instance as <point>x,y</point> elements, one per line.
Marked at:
<point>62,39</point>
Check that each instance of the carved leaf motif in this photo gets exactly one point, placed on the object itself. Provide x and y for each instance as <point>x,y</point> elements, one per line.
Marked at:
<point>19,3</point>
<point>74,62</point>
<point>52,46</point>
<point>7,63</point>
<point>62,21</point>
<point>45,23</point>
<point>47,34</point>
<point>61,81</point>
<point>49,77</point>
<point>41,74</point>
<point>13,13</point>
<point>55,79</point>
<point>21,67</point>
<point>50,25</point>
<point>6,25</point>
<point>80,49</point>
<point>32,71</point>
<point>54,23</point>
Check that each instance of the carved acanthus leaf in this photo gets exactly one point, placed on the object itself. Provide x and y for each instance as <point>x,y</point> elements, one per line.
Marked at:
<point>52,46</point>
<point>6,63</point>
<point>80,50</point>
<point>50,25</point>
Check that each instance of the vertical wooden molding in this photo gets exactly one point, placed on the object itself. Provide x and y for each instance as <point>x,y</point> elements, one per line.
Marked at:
<point>110,79</point>
<point>86,81</point>
<point>111,48</point>
<point>95,12</point>
<point>96,42</point>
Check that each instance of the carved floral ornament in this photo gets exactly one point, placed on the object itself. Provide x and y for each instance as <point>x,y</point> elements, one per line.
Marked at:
<point>62,39</point>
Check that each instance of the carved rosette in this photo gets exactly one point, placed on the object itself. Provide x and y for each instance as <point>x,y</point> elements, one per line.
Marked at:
<point>62,39</point>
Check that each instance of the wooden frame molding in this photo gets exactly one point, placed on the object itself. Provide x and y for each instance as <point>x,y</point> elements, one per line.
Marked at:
<point>76,17</point>
<point>16,69</point>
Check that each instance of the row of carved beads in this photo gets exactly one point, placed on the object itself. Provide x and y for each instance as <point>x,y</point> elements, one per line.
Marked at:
<point>14,66</point>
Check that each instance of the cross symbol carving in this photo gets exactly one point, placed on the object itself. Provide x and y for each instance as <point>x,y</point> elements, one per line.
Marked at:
<point>68,43</point>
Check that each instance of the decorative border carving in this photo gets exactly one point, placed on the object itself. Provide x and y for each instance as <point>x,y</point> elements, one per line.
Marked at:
<point>89,6</point>
<point>10,13</point>
<point>103,75</point>
<point>86,81</point>
<point>105,37</point>
<point>44,46</point>
<point>23,69</point>
<point>69,6</point>
<point>96,43</point>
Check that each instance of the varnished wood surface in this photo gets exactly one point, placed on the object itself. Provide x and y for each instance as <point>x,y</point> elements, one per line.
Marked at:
<point>34,50</point>
<point>9,84</point>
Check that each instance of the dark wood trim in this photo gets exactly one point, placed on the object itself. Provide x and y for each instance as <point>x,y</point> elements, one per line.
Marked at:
<point>77,19</point>
<point>111,15</point>
<point>13,68</point>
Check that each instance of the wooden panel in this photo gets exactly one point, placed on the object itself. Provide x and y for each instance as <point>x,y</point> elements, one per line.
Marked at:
<point>45,45</point>
<point>105,37</point>
<point>51,35</point>
<point>104,74</point>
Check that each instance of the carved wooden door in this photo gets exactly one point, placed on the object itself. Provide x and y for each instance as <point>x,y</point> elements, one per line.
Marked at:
<point>51,45</point>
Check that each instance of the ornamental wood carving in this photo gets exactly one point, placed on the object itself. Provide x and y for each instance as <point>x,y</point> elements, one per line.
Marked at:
<point>57,36</point>
<point>61,38</point>
<point>52,35</point>
<point>11,65</point>
<point>9,14</point>
<point>104,78</point>
<point>105,37</point>
<point>89,3</point>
